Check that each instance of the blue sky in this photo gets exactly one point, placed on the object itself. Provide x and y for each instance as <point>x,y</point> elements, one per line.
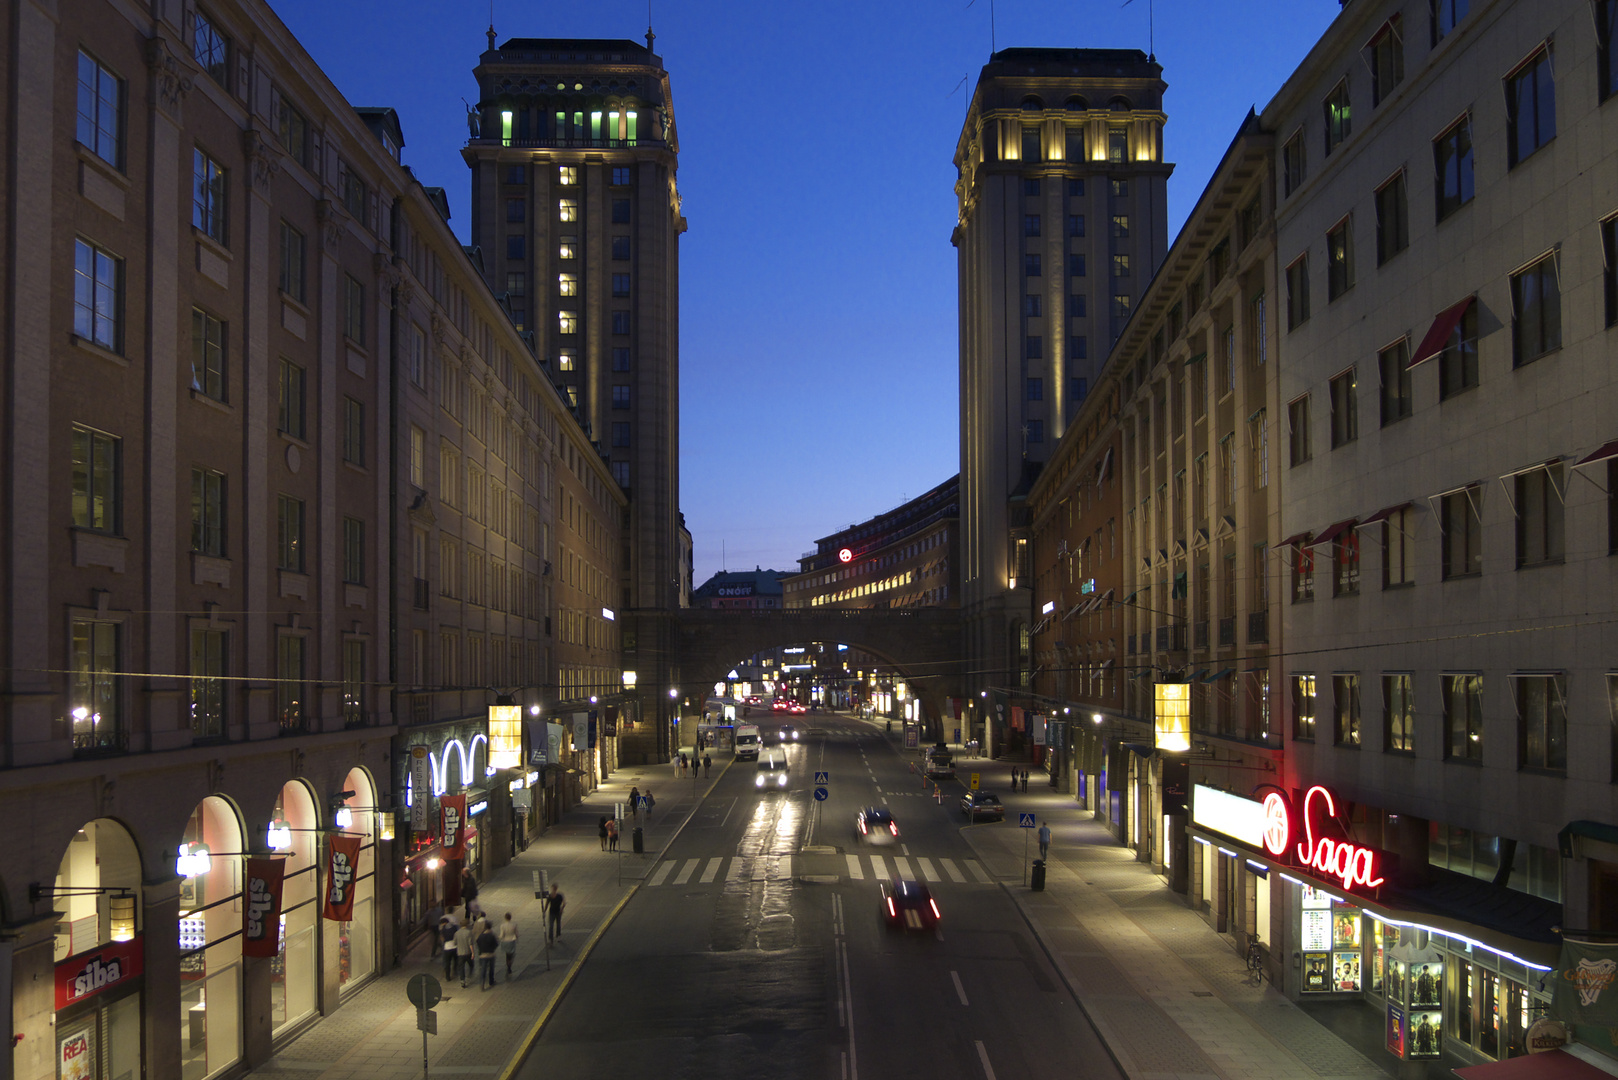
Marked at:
<point>818,303</point>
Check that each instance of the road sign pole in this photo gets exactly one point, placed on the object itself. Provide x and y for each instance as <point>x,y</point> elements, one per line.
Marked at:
<point>1025,856</point>
<point>421,1022</point>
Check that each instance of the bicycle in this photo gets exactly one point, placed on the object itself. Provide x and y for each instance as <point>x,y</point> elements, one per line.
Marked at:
<point>1255,961</point>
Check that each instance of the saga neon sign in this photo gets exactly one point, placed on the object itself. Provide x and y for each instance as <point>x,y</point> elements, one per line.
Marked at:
<point>1344,860</point>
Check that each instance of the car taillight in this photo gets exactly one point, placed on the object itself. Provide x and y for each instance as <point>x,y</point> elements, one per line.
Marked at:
<point>936,913</point>
<point>893,827</point>
<point>863,830</point>
<point>892,913</point>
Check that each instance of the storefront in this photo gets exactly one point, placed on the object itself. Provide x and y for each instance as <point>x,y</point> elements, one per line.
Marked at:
<point>210,924</point>
<point>295,971</point>
<point>448,759</point>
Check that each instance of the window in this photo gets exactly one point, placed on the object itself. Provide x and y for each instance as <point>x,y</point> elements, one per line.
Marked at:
<point>1258,327</point>
<point>568,209</point>
<point>1120,188</point>
<point>1398,548</point>
<point>1075,225</point>
<point>622,176</point>
<point>1541,721</point>
<point>620,359</point>
<point>1031,305</point>
<point>101,111</point>
<point>208,512</point>
<point>1303,572</point>
<point>567,284</point>
<point>1036,389</point>
<point>1120,226</point>
<point>567,322</point>
<point>1338,117</point>
<point>567,175</point>
<point>514,248</point>
<point>1292,163</point>
<point>211,49</point>
<point>1346,699</point>
<point>1250,222</point>
<point>620,211</point>
<point>1398,715</point>
<point>620,285</point>
<point>1259,435</point>
<point>1120,266</point>
<point>1030,224</point>
<point>620,396</point>
<point>1227,471</point>
<point>1298,293</point>
<point>353,551</point>
<point>620,248</point>
<point>95,688</point>
<point>620,322</point>
<point>516,211</point>
<point>1036,431</point>
<point>289,534</point>
<point>1345,409</point>
<point>353,682</point>
<point>1226,379</point>
<point>1445,15</point>
<point>516,283</point>
<point>1298,425</point>
<point>1536,306</point>
<point>1345,564</point>
<point>1076,265</point>
<point>1078,388</point>
<point>1030,185</point>
<point>1393,363</point>
<point>1117,144</point>
<point>1452,162</point>
<point>98,295</point>
<point>1077,306</point>
<point>1387,56</point>
<point>620,434</point>
<point>1392,219</point>
<point>353,309</point>
<point>353,431</point>
<point>208,663</point>
<point>1458,363</point>
<point>97,480</point>
<point>1530,108</point>
<point>1462,532</point>
<point>1081,347</point>
<point>1463,716</point>
<point>1303,707</point>
<point>1609,250</point>
<point>620,474</point>
<point>1121,304</point>
<point>1030,265</point>
<point>292,262</point>
<point>207,355</point>
<point>1035,347</point>
<point>208,195</point>
<point>290,415</point>
<point>1538,499</point>
<point>1340,259</point>
<point>289,689</point>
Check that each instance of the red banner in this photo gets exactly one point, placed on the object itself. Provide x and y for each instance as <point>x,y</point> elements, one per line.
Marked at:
<point>261,914</point>
<point>92,972</point>
<point>342,867</point>
<point>452,823</point>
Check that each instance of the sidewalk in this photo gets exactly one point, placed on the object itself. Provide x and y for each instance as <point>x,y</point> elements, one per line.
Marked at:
<point>373,1035</point>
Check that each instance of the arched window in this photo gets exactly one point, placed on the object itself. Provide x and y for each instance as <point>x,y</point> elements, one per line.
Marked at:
<point>1076,104</point>
<point>1120,104</point>
<point>1032,104</point>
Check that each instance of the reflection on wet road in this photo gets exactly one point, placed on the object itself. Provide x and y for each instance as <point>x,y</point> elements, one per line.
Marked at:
<point>755,909</point>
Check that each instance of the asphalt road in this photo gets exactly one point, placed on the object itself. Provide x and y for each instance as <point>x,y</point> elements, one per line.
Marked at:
<point>756,946</point>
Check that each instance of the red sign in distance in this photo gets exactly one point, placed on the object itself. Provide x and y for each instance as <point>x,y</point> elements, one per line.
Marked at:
<point>1347,862</point>
<point>845,555</point>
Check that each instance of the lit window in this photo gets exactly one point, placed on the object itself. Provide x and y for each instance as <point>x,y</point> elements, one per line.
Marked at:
<point>567,175</point>
<point>567,322</point>
<point>208,196</point>
<point>567,284</point>
<point>568,210</point>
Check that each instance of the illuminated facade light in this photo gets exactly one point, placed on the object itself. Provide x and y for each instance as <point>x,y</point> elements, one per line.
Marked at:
<point>505,734</point>
<point>1174,717</point>
<point>121,916</point>
<point>193,860</point>
<point>279,835</point>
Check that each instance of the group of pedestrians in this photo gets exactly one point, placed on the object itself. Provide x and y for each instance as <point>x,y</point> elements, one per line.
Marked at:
<point>1019,776</point>
<point>473,938</point>
<point>609,833</point>
<point>684,766</point>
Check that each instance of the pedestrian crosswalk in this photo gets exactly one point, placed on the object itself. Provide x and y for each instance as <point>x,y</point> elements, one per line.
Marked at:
<point>856,867</point>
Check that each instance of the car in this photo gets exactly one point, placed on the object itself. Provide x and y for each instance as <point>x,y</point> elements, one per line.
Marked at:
<point>778,705</point>
<point>752,699</point>
<point>976,804</point>
<point>797,708</point>
<point>907,905</point>
<point>789,733</point>
<point>772,773</point>
<point>876,825</point>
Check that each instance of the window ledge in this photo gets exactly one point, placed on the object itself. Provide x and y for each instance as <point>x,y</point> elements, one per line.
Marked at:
<point>101,165</point>
<point>1473,763</point>
<point>1540,770</point>
<point>1398,585</point>
<point>1518,365</point>
<point>1398,753</point>
<point>294,303</point>
<point>356,468</point>
<point>211,244</point>
<point>212,402</point>
<point>287,436</point>
<point>210,570</point>
<point>99,351</point>
<point>1464,577</point>
<point>1542,564</point>
<point>356,346</point>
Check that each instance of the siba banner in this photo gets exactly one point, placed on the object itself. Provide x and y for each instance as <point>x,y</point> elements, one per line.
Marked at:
<point>452,818</point>
<point>91,973</point>
<point>342,867</point>
<point>261,914</point>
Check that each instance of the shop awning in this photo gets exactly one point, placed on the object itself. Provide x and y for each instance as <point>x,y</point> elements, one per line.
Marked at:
<point>1295,539</point>
<point>1551,1065</point>
<point>1334,531</point>
<point>1142,749</point>
<point>1383,515</point>
<point>1438,333</point>
<point>1595,457</point>
<point>1220,674</point>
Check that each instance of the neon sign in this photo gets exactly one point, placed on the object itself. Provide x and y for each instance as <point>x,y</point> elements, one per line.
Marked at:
<point>845,555</point>
<point>1347,862</point>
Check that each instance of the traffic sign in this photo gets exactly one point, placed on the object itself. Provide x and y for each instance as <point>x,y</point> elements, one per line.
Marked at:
<point>822,777</point>
<point>427,1021</point>
<point>424,991</point>
<point>974,781</point>
<point>1025,821</point>
<point>820,794</point>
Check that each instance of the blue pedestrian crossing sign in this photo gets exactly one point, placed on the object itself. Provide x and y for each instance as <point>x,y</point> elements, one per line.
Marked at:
<point>822,777</point>
<point>1025,821</point>
<point>821,793</point>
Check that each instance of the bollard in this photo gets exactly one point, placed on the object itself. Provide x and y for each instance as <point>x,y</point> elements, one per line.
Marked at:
<point>640,841</point>
<point>1037,881</point>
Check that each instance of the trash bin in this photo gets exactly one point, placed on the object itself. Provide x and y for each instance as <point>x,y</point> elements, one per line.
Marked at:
<point>1036,881</point>
<point>640,848</point>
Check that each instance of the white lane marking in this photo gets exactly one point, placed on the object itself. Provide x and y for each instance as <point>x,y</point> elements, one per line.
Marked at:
<point>662,872</point>
<point>927,870</point>
<point>737,865</point>
<point>782,868</point>
<point>712,871</point>
<point>854,870</point>
<point>983,1056</point>
<point>879,867</point>
<point>902,868</point>
<point>904,849</point>
<point>977,872</point>
<point>687,870</point>
<point>960,991</point>
<point>848,992</point>
<point>954,874</point>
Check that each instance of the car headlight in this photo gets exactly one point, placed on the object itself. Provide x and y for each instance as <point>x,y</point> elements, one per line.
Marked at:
<point>758,781</point>
<point>783,780</point>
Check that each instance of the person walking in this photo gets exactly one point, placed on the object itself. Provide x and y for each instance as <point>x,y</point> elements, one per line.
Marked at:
<point>1044,839</point>
<point>446,938</point>
<point>650,803</point>
<point>612,834</point>
<point>634,803</point>
<point>602,828</point>
<point>553,914</point>
<point>707,765</point>
<point>488,946</point>
<point>464,939</point>
<point>508,941</point>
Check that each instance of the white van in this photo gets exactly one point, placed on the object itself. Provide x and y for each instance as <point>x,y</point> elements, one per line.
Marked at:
<point>746,742</point>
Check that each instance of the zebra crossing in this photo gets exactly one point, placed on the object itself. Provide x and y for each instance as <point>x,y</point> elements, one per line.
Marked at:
<point>857,867</point>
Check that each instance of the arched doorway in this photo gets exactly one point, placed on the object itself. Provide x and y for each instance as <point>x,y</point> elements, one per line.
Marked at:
<point>295,974</point>
<point>210,939</point>
<point>99,954</point>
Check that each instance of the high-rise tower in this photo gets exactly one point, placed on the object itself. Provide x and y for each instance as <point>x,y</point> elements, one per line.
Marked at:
<point>1062,222</point>
<point>577,215</point>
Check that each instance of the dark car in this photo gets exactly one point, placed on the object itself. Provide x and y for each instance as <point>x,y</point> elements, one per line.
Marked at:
<point>982,804</point>
<point>907,905</point>
<point>876,824</point>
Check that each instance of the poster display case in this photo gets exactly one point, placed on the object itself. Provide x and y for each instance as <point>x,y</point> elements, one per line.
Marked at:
<point>1414,982</point>
<point>1331,945</point>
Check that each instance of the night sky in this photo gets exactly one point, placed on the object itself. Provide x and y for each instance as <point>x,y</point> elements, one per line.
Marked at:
<point>818,306</point>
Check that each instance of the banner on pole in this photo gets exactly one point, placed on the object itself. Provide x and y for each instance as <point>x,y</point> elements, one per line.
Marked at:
<point>261,914</point>
<point>342,866</point>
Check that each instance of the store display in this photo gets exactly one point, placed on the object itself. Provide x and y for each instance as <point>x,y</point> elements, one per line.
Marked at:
<point>1345,971</point>
<point>1396,1031</point>
<point>1316,935</point>
<point>1316,972</point>
<point>1426,982</point>
<point>1426,1034</point>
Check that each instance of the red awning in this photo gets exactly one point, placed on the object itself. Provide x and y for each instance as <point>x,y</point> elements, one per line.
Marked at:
<point>1381,32</point>
<point>1293,541</point>
<point>1551,1065</point>
<point>1382,515</point>
<point>1610,450</point>
<point>1334,531</point>
<point>1438,333</point>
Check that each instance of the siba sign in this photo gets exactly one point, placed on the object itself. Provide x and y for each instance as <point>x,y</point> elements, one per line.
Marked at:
<point>90,973</point>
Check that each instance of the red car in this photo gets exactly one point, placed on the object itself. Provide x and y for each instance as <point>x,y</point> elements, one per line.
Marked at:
<point>796,709</point>
<point>778,705</point>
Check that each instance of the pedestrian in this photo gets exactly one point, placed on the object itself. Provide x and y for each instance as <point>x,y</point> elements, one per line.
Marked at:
<point>463,951</point>
<point>553,914</point>
<point>612,834</point>
<point>488,946</point>
<point>1044,839</point>
<point>634,803</point>
<point>446,939</point>
<point>508,941</point>
<point>602,828</point>
<point>431,922</point>
<point>1025,781</point>
<point>469,887</point>
<point>707,765</point>
<point>650,803</point>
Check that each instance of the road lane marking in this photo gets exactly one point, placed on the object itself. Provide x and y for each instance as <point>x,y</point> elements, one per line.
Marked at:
<point>902,868</point>
<point>687,870</point>
<point>848,993</point>
<point>977,872</point>
<point>662,872</point>
<point>713,871</point>
<point>854,870</point>
<point>904,849</point>
<point>879,868</point>
<point>927,870</point>
<point>960,990</point>
<point>783,868</point>
<point>983,1056</point>
<point>737,865</point>
<point>954,874</point>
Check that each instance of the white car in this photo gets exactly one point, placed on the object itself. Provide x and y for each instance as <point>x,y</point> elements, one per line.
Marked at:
<point>772,773</point>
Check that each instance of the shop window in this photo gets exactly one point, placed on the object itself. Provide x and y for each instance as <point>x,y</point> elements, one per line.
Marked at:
<point>1330,940</point>
<point>295,976</point>
<point>210,941</point>
<point>1303,707</point>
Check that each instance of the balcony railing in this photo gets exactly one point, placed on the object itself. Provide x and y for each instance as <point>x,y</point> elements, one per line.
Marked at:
<point>103,741</point>
<point>568,144</point>
<point>1258,627</point>
<point>1227,630</point>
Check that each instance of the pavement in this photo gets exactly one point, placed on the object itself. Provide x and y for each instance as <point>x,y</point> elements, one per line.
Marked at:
<point>482,1033</point>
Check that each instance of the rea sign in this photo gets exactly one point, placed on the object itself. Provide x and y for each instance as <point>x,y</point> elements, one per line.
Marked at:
<point>1311,836</point>
<point>90,973</point>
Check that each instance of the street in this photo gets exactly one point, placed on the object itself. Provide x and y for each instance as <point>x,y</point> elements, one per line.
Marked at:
<point>756,944</point>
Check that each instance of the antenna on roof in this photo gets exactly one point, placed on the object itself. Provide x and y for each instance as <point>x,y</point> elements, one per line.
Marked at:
<point>491,25</point>
<point>1151,29</point>
<point>650,37</point>
<point>991,30</point>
